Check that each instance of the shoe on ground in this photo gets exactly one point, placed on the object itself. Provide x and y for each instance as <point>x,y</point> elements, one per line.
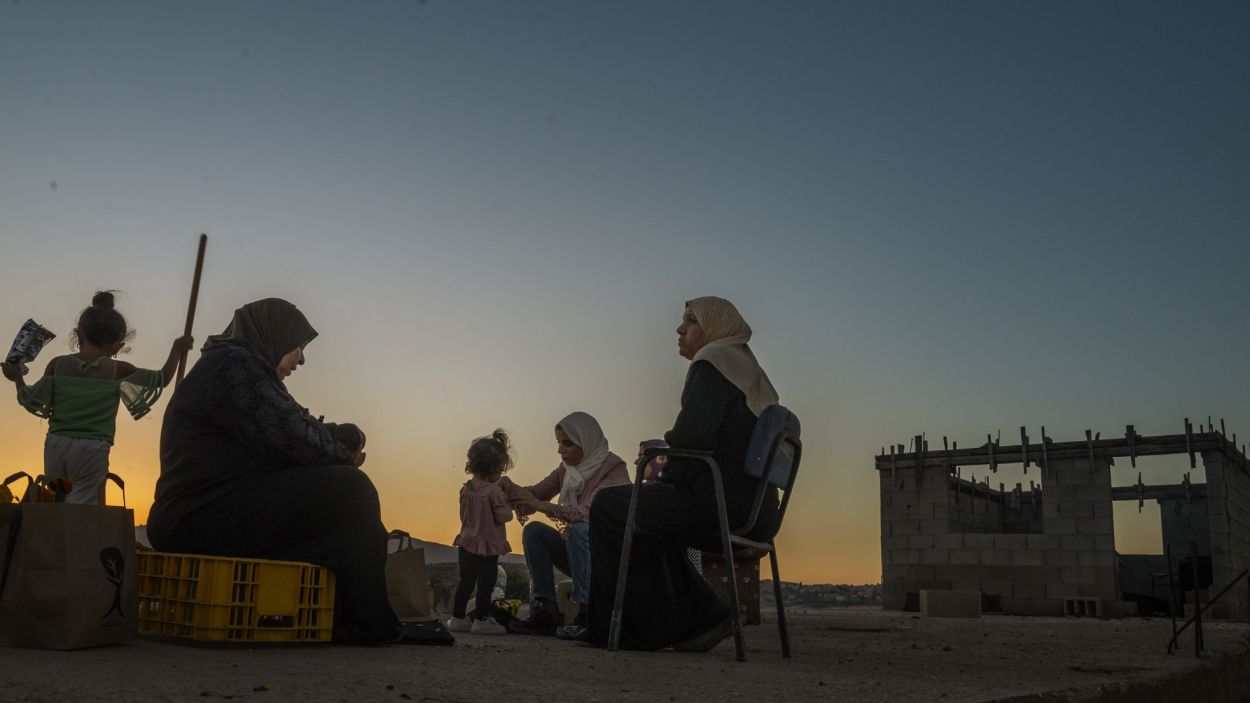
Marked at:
<point>544,618</point>
<point>707,640</point>
<point>455,624</point>
<point>576,633</point>
<point>487,626</point>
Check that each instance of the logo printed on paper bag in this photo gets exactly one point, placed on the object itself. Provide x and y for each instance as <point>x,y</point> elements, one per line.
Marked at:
<point>115,568</point>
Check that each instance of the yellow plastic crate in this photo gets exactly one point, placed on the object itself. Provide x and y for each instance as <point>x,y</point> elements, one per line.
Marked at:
<point>215,599</point>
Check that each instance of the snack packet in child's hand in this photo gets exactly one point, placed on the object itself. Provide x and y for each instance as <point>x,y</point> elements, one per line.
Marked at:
<point>27,344</point>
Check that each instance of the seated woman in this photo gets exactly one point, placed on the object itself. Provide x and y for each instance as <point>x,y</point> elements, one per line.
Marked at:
<point>247,472</point>
<point>667,603</point>
<point>586,467</point>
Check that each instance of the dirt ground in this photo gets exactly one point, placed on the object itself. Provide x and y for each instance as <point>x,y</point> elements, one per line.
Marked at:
<point>839,655</point>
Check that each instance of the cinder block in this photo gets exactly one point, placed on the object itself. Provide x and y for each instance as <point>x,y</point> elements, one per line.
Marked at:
<point>1030,589</point>
<point>996,557</point>
<point>904,556</point>
<point>1058,526</point>
<point>1073,575</point>
<point>950,604</point>
<point>921,541</point>
<point>919,572</point>
<point>1042,541</point>
<point>979,540</point>
<point>998,588</point>
<point>1061,557</point>
<point>1011,541</point>
<point>935,556</point>
<point>1078,606</point>
<point>893,542</point>
<point>920,511</point>
<point>1095,526</point>
<point>1062,590</point>
<point>950,540</point>
<point>1027,557</point>
<point>905,527</point>
<point>934,527</point>
<point>965,556</point>
<point>1076,542</point>
<point>1076,509</point>
<point>1102,509</point>
<point>1097,558</point>
<point>966,583</point>
<point>1104,542</point>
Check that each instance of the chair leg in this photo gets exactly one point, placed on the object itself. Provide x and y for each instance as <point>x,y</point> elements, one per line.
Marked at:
<point>618,602</point>
<point>781,606</point>
<point>728,552</point>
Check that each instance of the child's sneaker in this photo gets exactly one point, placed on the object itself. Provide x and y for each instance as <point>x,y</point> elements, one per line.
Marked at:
<point>455,624</point>
<point>488,626</point>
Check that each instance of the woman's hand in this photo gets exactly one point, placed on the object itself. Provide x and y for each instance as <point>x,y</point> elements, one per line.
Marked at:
<point>12,372</point>
<point>524,502</point>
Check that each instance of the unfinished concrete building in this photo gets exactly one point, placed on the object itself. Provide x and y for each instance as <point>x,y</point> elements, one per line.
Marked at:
<point>1049,549</point>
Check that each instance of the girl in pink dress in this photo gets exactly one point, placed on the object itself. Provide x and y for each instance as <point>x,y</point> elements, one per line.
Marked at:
<point>483,512</point>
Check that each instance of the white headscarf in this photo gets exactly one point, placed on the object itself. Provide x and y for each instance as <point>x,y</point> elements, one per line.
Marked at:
<point>585,432</point>
<point>725,336</point>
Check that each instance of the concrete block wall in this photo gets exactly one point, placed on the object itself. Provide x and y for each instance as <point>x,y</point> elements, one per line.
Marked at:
<point>1228,515</point>
<point>1076,508</point>
<point>930,540</point>
<point>976,512</point>
<point>913,513</point>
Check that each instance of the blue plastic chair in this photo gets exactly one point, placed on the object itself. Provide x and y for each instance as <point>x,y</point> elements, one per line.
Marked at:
<point>772,455</point>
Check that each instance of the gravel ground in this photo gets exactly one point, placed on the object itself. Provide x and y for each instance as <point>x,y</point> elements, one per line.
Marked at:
<point>839,655</point>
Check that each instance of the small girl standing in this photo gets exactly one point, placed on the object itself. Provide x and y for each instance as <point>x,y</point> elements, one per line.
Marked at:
<point>483,512</point>
<point>79,393</point>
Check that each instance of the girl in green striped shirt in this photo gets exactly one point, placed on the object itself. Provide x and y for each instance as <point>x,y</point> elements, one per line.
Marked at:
<point>79,395</point>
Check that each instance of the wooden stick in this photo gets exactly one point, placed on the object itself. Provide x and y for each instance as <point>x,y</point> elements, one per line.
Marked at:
<point>195,294</point>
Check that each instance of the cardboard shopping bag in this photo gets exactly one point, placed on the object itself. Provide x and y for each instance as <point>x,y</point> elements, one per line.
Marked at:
<point>68,577</point>
<point>406,584</point>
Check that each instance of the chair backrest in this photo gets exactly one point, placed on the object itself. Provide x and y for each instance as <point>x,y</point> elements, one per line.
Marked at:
<point>773,454</point>
<point>775,446</point>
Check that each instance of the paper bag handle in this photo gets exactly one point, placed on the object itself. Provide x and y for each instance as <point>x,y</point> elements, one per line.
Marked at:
<point>120,484</point>
<point>401,536</point>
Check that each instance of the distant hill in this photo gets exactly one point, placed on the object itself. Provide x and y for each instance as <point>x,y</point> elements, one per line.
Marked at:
<point>435,553</point>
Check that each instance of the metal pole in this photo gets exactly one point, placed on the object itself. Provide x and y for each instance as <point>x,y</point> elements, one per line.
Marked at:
<point>1197,603</point>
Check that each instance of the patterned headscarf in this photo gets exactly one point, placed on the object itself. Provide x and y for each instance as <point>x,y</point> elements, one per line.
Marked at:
<point>271,327</point>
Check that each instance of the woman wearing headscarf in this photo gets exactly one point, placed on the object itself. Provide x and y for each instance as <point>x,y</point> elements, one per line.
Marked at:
<point>247,472</point>
<point>667,603</point>
<point>586,466</point>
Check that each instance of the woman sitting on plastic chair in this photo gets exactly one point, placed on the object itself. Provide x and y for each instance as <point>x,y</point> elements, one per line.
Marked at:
<point>667,603</point>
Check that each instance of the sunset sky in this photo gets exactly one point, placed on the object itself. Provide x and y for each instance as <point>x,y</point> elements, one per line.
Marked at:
<point>951,218</point>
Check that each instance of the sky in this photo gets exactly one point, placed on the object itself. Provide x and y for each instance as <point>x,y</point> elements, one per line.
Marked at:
<point>951,218</point>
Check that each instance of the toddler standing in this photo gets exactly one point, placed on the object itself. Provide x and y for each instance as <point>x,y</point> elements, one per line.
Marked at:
<point>79,393</point>
<point>483,512</point>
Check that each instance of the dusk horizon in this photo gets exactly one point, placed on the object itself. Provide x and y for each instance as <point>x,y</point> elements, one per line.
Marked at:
<point>951,220</point>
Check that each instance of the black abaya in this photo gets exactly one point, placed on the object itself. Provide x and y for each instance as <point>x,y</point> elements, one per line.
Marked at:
<point>666,600</point>
<point>247,472</point>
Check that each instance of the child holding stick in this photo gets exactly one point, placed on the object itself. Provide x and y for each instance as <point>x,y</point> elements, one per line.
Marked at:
<point>79,394</point>
<point>483,512</point>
